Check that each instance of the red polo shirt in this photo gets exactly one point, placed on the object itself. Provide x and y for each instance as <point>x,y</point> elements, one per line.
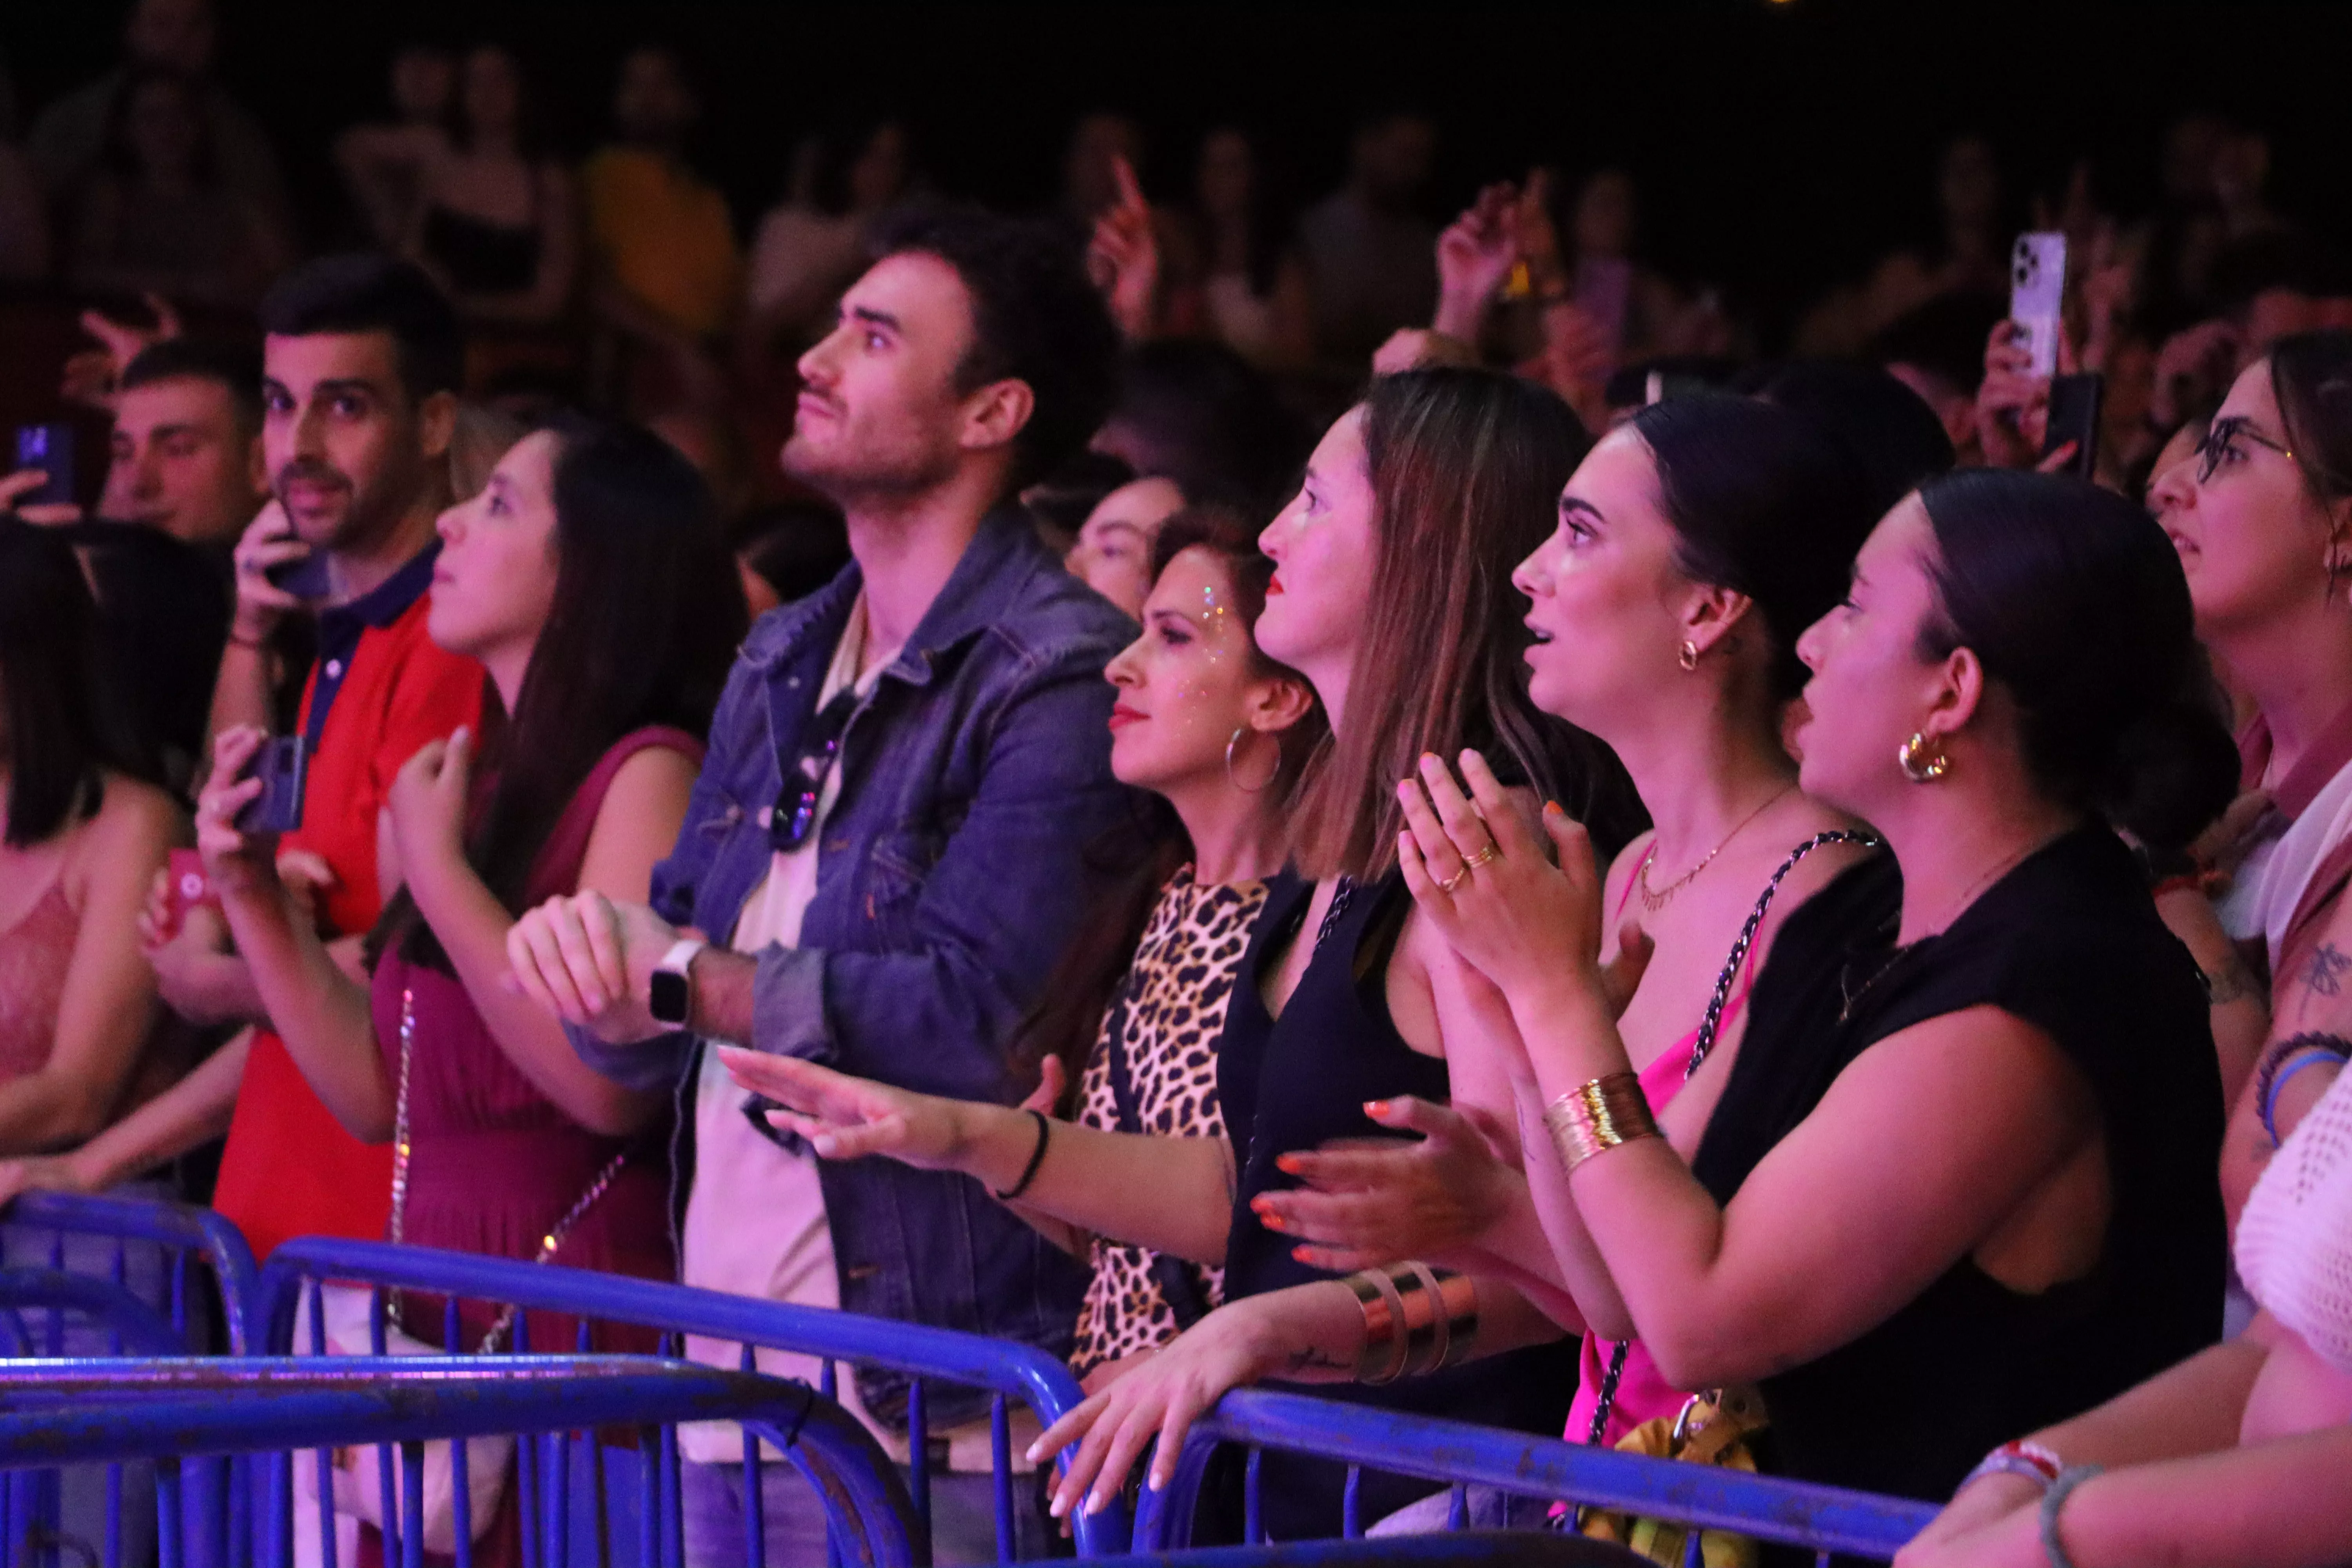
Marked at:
<point>379,690</point>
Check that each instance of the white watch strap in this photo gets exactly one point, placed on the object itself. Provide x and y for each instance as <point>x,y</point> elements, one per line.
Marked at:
<point>680,956</point>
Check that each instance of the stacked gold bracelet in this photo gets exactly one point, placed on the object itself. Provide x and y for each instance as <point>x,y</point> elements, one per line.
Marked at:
<point>1416,1319</point>
<point>1599,1117</point>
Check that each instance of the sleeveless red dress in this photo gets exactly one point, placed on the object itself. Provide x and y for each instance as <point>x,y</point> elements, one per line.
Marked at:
<point>495,1163</point>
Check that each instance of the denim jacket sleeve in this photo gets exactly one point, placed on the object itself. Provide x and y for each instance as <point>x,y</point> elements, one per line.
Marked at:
<point>989,922</point>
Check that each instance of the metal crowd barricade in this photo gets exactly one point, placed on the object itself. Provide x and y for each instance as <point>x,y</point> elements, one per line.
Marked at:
<point>1008,1370</point>
<point>183,1232</point>
<point>1821,1519</point>
<point>1457,1549</point>
<point>120,1273</point>
<point>168,1411</point>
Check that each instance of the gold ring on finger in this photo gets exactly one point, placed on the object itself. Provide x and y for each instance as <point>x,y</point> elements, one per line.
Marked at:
<point>1480,859</point>
<point>1456,881</point>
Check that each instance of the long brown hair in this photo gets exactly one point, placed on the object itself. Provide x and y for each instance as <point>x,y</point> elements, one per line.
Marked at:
<point>647,610</point>
<point>1466,469</point>
<point>1129,865</point>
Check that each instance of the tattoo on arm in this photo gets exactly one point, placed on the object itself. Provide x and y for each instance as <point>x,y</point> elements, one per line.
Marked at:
<point>2233,982</point>
<point>2328,969</point>
<point>1308,1356</point>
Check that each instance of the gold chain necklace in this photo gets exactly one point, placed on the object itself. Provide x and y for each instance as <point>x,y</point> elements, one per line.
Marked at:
<point>1851,998</point>
<point>1654,900</point>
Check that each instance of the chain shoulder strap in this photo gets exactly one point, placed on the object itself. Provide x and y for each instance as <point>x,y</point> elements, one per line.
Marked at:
<point>548,1244</point>
<point>1708,1027</point>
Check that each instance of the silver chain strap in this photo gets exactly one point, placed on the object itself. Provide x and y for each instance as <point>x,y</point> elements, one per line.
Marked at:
<point>400,1155</point>
<point>1708,1027</point>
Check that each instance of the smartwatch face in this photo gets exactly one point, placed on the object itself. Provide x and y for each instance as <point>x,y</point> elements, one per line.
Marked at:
<point>668,998</point>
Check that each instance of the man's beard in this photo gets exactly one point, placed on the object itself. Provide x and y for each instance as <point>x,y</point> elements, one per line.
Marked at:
<point>865,469</point>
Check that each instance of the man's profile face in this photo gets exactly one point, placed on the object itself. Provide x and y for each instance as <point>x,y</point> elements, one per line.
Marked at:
<point>341,437</point>
<point>183,462</point>
<point>879,410</point>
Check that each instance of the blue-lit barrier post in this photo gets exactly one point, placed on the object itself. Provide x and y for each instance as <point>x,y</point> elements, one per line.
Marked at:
<point>55,1222</point>
<point>1821,1520</point>
<point>1007,1371</point>
<point>143,1248</point>
<point>32,1502</point>
<point>55,1412</point>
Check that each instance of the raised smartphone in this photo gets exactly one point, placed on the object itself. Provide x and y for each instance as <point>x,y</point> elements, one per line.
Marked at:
<point>2037,296</point>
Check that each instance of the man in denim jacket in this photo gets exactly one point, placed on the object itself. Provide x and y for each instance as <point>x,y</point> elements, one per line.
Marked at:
<point>884,845</point>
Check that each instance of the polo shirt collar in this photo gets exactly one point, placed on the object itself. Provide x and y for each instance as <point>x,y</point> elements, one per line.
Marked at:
<point>383,604</point>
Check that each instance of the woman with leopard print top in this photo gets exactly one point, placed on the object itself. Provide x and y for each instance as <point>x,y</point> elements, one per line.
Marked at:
<point>1217,733</point>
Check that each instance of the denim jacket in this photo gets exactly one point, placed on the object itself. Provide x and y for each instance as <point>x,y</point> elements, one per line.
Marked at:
<point>949,879</point>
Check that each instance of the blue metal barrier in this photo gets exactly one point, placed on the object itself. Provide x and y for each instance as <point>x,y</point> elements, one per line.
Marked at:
<point>1460,1549</point>
<point>1821,1520</point>
<point>1009,1371</point>
<point>132,1257</point>
<point>182,1230</point>
<point>54,1412</point>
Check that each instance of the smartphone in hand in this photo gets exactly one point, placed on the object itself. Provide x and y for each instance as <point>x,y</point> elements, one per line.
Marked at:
<point>305,577</point>
<point>2074,402</point>
<point>282,765</point>
<point>2037,296</point>
<point>50,448</point>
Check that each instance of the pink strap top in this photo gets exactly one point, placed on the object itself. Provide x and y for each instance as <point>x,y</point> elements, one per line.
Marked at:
<point>34,956</point>
<point>1641,1394</point>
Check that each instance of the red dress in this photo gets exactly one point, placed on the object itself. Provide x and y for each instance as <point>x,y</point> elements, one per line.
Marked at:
<point>495,1163</point>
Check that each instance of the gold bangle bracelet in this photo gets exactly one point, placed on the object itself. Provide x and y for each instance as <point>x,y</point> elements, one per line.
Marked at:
<point>1459,1293</point>
<point>1426,1329</point>
<point>1383,1356</point>
<point>1598,1117</point>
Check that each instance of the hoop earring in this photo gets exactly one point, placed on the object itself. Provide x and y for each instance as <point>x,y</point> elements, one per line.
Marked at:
<point>1688,657</point>
<point>1235,740</point>
<point>1919,764</point>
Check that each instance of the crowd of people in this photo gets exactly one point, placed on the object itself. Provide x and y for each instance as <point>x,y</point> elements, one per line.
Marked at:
<point>1088,860</point>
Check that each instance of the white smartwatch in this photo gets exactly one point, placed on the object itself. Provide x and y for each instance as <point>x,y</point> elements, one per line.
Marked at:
<point>670,995</point>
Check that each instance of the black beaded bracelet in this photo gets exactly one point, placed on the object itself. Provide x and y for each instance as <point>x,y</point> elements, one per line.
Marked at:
<point>1037,1158</point>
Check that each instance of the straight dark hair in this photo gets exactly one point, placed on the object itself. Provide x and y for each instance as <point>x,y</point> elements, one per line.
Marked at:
<point>1130,865</point>
<point>360,291</point>
<point>1764,504</point>
<point>64,734</point>
<point>2074,601</point>
<point>647,614</point>
<point>1466,469</point>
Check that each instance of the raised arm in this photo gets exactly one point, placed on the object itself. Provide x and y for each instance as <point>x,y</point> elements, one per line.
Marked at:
<point>319,1011</point>
<point>634,825</point>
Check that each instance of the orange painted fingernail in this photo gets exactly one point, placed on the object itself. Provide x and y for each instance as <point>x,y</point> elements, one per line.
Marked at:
<point>1376,1108</point>
<point>1288,1162</point>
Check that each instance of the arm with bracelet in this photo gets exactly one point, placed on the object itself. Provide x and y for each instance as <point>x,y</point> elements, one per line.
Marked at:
<point>2308,1008</point>
<point>1404,1319</point>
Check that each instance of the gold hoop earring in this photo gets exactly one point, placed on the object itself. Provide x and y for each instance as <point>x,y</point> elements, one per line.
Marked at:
<point>1922,761</point>
<point>1234,740</point>
<point>1688,657</point>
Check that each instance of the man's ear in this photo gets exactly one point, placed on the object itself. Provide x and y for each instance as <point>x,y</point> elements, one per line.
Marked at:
<point>996,414</point>
<point>437,424</point>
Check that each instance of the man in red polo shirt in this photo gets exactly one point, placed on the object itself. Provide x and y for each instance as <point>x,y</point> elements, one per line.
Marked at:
<point>359,390</point>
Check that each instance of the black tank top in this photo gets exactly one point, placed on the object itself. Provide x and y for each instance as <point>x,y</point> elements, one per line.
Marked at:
<point>2070,942</point>
<point>1298,1082</point>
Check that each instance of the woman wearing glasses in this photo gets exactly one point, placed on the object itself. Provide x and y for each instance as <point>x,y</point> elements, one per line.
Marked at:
<point>2262,517</point>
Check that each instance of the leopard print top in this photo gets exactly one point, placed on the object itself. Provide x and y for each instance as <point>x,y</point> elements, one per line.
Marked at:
<point>1169,1011</point>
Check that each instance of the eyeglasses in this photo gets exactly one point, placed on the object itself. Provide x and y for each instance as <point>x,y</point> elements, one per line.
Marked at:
<point>2221,442</point>
<point>795,817</point>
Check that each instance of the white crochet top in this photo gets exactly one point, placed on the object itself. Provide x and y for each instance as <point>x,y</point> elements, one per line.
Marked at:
<point>2294,1240</point>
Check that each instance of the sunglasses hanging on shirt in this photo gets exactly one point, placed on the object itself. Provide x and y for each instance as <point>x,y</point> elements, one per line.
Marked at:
<point>795,817</point>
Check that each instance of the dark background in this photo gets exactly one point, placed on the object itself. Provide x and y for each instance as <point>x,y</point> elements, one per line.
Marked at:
<point>1780,146</point>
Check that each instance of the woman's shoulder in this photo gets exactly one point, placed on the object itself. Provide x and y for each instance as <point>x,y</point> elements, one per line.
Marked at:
<point>134,824</point>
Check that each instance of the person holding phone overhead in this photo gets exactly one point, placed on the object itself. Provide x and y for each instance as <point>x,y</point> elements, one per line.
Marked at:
<point>360,368</point>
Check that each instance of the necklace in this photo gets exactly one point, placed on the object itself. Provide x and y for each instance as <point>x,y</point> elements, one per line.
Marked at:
<point>1657,899</point>
<point>1851,998</point>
